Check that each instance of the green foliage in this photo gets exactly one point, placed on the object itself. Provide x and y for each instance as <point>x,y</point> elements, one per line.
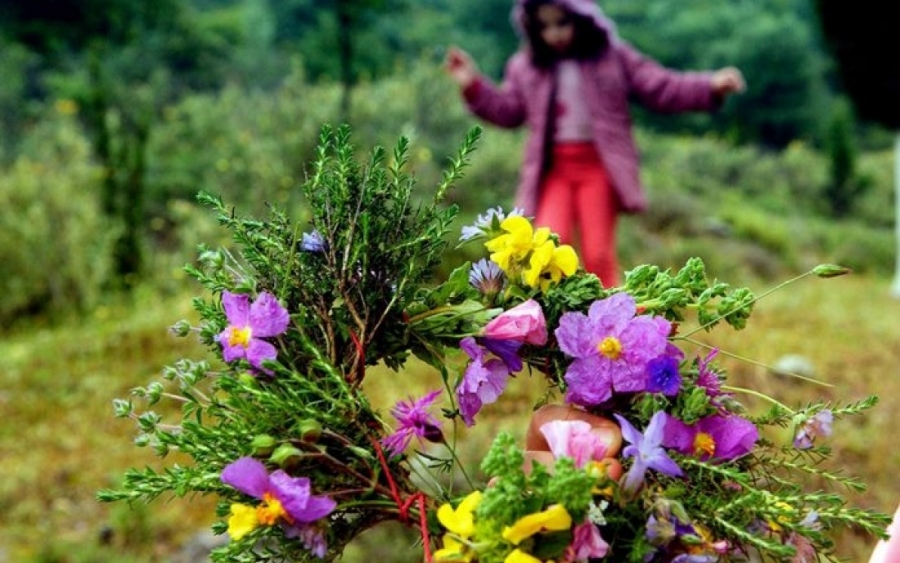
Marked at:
<point>57,242</point>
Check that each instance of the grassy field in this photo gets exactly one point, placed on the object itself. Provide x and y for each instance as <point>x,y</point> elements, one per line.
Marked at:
<point>59,442</point>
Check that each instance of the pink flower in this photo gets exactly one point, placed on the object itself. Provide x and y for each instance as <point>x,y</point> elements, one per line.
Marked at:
<point>248,324</point>
<point>573,438</point>
<point>523,323</point>
<point>587,544</point>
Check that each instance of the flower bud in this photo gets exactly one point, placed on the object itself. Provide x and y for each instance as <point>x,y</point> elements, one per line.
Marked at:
<point>263,444</point>
<point>309,430</point>
<point>830,270</point>
<point>286,455</point>
<point>181,329</point>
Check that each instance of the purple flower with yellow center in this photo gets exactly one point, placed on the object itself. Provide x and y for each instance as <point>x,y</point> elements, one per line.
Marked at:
<point>714,437</point>
<point>248,324</point>
<point>414,420</point>
<point>487,277</point>
<point>611,348</point>
<point>484,380</point>
<point>647,451</point>
<point>285,500</point>
<point>818,425</point>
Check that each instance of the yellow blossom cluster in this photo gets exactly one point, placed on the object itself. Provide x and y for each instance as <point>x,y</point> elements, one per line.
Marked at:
<point>531,256</point>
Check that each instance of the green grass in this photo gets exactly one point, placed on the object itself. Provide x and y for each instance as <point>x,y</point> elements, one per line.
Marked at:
<point>60,443</point>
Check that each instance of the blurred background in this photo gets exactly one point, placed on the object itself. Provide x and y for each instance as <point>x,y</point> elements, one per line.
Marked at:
<point>114,114</point>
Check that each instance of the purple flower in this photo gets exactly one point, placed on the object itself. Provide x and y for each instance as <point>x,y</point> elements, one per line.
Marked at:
<point>714,437</point>
<point>248,324</point>
<point>706,377</point>
<point>612,348</point>
<point>487,277</point>
<point>484,380</point>
<point>817,425</point>
<point>663,376</point>
<point>312,242</point>
<point>647,451</point>
<point>285,500</point>
<point>414,420</point>
<point>506,350</point>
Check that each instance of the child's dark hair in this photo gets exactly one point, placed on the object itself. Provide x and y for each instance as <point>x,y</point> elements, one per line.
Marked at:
<point>588,41</point>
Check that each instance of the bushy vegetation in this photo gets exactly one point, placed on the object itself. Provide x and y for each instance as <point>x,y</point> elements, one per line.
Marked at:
<point>770,208</point>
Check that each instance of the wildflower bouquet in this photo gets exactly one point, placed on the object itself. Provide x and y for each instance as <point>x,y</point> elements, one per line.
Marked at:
<point>640,452</point>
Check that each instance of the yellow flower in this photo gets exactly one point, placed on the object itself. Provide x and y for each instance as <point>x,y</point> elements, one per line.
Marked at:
<point>564,262</point>
<point>462,520</point>
<point>514,245</point>
<point>519,556</point>
<point>553,519</point>
<point>243,520</point>
<point>454,551</point>
<point>537,263</point>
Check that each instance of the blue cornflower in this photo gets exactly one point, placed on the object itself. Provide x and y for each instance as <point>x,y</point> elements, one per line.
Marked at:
<point>312,242</point>
<point>663,376</point>
<point>487,277</point>
<point>647,451</point>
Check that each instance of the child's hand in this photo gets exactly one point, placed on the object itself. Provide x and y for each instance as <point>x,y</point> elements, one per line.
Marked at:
<point>728,80</point>
<point>460,67</point>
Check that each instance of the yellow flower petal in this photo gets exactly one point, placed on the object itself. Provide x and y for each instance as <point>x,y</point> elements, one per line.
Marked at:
<point>540,258</point>
<point>553,519</point>
<point>519,556</point>
<point>462,520</point>
<point>454,551</point>
<point>243,520</point>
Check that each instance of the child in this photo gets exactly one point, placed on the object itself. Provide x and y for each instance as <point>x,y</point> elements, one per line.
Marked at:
<point>571,85</point>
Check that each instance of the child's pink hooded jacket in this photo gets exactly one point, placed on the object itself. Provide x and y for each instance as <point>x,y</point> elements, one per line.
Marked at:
<point>621,74</point>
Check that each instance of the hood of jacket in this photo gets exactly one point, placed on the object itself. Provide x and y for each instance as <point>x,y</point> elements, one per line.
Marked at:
<point>585,8</point>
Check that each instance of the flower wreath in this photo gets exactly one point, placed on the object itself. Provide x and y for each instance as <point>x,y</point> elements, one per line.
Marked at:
<point>278,427</point>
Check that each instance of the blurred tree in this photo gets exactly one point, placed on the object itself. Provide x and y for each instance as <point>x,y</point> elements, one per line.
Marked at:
<point>335,37</point>
<point>862,37</point>
<point>771,41</point>
<point>130,51</point>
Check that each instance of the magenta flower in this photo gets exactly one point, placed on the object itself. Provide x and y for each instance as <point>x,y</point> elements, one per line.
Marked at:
<point>414,420</point>
<point>647,451</point>
<point>285,500</point>
<point>817,425</point>
<point>248,324</point>
<point>523,323</point>
<point>483,383</point>
<point>612,349</point>
<point>574,439</point>
<point>706,377</point>
<point>587,544</point>
<point>714,437</point>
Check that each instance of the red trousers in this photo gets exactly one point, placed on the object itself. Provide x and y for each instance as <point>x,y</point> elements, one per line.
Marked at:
<point>577,200</point>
